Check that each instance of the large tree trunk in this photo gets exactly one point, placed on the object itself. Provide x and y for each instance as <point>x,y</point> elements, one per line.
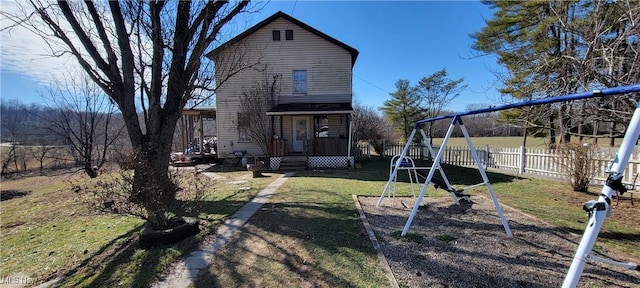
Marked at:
<point>183,29</point>
<point>152,187</point>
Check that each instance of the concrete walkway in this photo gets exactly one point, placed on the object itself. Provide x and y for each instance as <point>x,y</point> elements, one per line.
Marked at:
<point>185,272</point>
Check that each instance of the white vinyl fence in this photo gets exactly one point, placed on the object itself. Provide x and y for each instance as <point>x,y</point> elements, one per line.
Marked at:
<point>361,150</point>
<point>520,160</point>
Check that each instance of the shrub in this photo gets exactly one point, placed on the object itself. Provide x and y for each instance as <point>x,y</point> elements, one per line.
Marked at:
<point>577,161</point>
<point>124,158</point>
<point>111,192</point>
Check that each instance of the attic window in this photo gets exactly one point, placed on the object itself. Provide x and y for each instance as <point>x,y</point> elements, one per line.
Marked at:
<point>276,35</point>
<point>288,34</point>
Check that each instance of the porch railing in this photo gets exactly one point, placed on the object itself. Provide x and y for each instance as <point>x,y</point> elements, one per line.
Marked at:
<point>315,147</point>
<point>278,147</point>
<point>329,146</point>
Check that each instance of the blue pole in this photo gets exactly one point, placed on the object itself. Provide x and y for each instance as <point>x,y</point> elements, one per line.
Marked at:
<point>548,100</point>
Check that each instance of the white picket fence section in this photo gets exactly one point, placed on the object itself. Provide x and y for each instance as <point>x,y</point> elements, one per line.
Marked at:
<point>543,162</point>
<point>520,160</point>
<point>361,150</point>
<point>415,151</point>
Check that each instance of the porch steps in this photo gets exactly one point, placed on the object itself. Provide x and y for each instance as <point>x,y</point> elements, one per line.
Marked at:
<point>293,163</point>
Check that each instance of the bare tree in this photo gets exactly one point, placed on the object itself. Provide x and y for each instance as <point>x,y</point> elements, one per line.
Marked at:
<point>146,56</point>
<point>84,118</point>
<point>370,125</point>
<point>41,153</point>
<point>254,103</point>
<point>12,124</point>
<point>436,92</point>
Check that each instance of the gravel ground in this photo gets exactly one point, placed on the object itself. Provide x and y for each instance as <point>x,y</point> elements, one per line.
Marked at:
<point>466,246</point>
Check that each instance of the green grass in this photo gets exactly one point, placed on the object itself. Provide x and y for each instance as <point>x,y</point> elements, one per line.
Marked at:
<point>52,232</point>
<point>311,233</point>
<point>445,238</point>
<point>413,237</point>
<point>313,216</point>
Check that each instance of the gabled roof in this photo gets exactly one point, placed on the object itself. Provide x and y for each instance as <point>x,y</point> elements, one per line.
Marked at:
<point>279,14</point>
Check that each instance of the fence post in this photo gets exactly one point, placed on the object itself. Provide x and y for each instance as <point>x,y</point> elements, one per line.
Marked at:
<point>384,147</point>
<point>521,161</point>
<point>486,156</point>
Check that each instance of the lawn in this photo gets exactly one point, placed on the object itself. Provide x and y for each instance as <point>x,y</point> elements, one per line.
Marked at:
<point>309,232</point>
<point>52,232</point>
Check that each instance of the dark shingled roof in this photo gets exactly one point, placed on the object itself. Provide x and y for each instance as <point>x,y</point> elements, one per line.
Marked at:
<point>311,108</point>
<point>353,51</point>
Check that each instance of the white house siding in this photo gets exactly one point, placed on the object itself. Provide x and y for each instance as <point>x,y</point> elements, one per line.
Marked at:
<point>328,69</point>
<point>227,117</point>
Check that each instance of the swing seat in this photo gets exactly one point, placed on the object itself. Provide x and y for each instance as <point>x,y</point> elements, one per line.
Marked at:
<point>460,194</point>
<point>405,164</point>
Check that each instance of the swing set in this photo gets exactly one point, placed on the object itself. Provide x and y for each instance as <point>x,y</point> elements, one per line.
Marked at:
<point>597,210</point>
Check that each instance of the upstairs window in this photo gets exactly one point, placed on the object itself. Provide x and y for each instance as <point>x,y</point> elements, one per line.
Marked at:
<point>299,81</point>
<point>288,34</point>
<point>276,35</point>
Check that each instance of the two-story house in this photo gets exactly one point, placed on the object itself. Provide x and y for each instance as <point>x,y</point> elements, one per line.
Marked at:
<point>306,76</point>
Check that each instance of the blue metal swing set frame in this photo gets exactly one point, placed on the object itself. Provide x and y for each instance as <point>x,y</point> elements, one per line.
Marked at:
<point>597,210</point>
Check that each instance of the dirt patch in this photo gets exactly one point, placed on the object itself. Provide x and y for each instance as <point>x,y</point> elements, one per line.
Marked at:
<point>467,246</point>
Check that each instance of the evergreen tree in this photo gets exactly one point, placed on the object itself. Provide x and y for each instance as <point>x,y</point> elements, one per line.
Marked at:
<point>403,109</point>
<point>552,48</point>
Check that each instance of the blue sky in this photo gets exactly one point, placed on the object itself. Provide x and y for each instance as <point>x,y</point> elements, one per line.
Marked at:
<point>397,40</point>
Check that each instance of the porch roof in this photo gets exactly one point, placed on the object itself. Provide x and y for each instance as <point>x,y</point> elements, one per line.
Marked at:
<point>205,111</point>
<point>310,109</point>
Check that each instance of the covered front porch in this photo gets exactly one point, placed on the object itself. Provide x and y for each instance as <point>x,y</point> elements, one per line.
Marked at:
<point>320,133</point>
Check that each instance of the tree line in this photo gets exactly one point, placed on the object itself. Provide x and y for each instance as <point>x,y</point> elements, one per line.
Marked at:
<point>75,133</point>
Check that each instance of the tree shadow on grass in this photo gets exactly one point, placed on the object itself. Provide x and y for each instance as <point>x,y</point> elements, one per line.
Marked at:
<point>112,265</point>
<point>105,255</point>
<point>12,194</point>
<point>293,237</point>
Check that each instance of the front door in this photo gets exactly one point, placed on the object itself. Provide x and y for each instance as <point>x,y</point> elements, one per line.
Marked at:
<point>300,132</point>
